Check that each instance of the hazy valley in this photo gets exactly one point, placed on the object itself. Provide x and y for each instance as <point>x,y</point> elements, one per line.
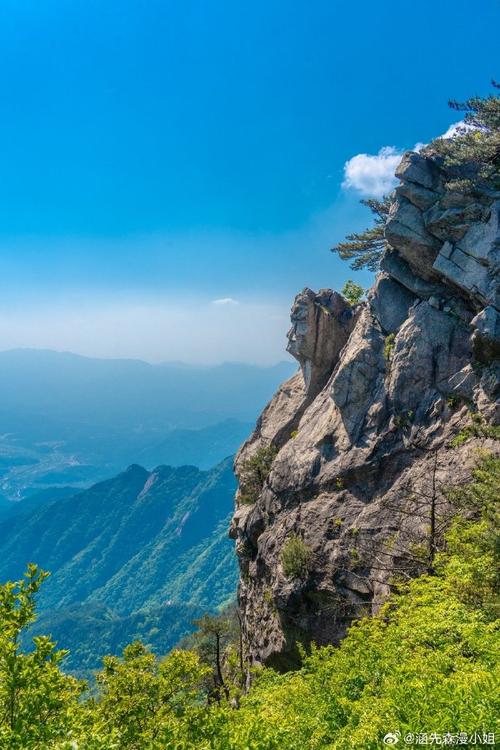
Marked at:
<point>69,421</point>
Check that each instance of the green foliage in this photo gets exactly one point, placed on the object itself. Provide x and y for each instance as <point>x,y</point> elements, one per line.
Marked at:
<point>254,472</point>
<point>477,428</point>
<point>294,434</point>
<point>352,292</point>
<point>143,701</point>
<point>296,557</point>
<point>35,696</point>
<point>218,643</point>
<point>268,597</point>
<point>472,155</point>
<point>92,631</point>
<point>389,346</point>
<point>365,249</point>
<point>473,562</point>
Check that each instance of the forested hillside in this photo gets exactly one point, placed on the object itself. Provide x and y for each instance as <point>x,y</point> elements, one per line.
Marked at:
<point>139,555</point>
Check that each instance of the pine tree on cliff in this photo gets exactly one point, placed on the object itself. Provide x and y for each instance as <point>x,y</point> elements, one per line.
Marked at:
<point>364,249</point>
<point>473,152</point>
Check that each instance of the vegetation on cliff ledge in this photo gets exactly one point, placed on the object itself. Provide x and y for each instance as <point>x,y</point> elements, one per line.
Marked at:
<point>295,557</point>
<point>254,472</point>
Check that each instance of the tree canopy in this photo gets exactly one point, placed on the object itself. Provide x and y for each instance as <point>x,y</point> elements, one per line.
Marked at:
<point>472,153</point>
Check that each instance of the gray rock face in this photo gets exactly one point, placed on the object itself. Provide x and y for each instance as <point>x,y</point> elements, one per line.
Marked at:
<point>321,325</point>
<point>362,371</point>
<point>472,263</point>
<point>486,338</point>
<point>367,422</point>
<point>416,169</point>
<point>464,271</point>
<point>420,196</point>
<point>390,302</point>
<point>398,269</point>
<point>406,231</point>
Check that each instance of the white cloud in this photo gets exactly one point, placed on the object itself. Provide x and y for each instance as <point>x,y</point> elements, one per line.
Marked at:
<point>372,175</point>
<point>455,128</point>
<point>225,301</point>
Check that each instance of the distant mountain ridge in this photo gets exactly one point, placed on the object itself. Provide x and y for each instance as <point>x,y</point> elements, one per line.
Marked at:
<point>104,391</point>
<point>72,420</point>
<point>140,548</point>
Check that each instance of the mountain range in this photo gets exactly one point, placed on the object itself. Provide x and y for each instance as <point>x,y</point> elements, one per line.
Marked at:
<point>138,555</point>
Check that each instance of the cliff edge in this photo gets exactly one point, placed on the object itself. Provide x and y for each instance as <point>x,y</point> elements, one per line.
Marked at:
<point>392,397</point>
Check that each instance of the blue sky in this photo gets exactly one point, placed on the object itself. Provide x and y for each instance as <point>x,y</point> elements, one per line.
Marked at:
<point>157,156</point>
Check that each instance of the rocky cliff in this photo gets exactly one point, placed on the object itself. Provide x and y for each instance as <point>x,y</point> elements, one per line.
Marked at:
<point>392,397</point>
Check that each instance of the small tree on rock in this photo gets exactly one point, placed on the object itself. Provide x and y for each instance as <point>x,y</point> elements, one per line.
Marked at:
<point>352,292</point>
<point>254,472</point>
<point>365,249</point>
<point>296,557</point>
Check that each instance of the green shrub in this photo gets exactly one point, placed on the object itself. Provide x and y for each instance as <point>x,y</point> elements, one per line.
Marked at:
<point>295,557</point>
<point>478,428</point>
<point>389,346</point>
<point>254,472</point>
<point>352,292</point>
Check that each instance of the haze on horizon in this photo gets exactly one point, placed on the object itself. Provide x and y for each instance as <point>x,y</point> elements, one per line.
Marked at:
<point>173,175</point>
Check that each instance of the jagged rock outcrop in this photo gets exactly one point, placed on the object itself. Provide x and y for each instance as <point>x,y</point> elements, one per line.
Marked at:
<point>321,325</point>
<point>367,425</point>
